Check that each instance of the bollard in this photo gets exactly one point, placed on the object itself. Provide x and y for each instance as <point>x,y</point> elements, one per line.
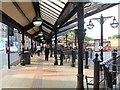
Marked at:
<point>96,72</point>
<point>114,54</point>
<point>91,51</point>
<point>73,58</point>
<point>56,61</point>
<point>61,57</point>
<point>86,58</point>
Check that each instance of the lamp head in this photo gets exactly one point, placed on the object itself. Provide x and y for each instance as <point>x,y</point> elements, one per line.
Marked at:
<point>37,21</point>
<point>90,25</point>
<point>114,23</point>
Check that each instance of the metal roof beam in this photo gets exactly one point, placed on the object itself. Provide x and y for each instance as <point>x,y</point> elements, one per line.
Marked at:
<point>44,21</point>
<point>29,26</point>
<point>103,7</point>
<point>47,26</point>
<point>69,10</point>
<point>69,16</point>
<point>36,7</point>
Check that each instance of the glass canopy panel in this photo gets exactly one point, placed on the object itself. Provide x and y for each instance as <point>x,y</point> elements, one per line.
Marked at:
<point>46,15</point>
<point>45,9</point>
<point>53,5</point>
<point>46,29</point>
<point>58,3</point>
<point>49,8</point>
<point>48,19</point>
<point>49,14</point>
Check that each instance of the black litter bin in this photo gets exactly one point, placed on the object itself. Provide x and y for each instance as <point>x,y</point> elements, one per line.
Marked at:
<point>22,61</point>
<point>26,57</point>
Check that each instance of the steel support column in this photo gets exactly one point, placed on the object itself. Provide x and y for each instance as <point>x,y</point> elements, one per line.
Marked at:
<point>75,39</point>
<point>23,42</point>
<point>55,51</point>
<point>51,49</point>
<point>66,39</point>
<point>31,44</point>
<point>80,36</point>
<point>8,47</point>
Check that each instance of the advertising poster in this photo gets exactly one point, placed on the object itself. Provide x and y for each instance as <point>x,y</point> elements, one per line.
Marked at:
<point>96,44</point>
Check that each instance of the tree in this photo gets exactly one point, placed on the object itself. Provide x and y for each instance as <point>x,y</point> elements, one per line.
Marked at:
<point>88,38</point>
<point>114,36</point>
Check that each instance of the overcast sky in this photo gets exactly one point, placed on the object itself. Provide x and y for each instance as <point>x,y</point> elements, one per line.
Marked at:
<point>107,29</point>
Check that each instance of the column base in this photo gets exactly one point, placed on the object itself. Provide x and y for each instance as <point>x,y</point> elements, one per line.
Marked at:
<point>56,63</point>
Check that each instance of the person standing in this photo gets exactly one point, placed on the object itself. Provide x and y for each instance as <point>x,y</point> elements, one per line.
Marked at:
<point>38,49</point>
<point>46,52</point>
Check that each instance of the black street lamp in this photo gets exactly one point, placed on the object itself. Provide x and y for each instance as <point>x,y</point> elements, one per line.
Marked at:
<point>114,24</point>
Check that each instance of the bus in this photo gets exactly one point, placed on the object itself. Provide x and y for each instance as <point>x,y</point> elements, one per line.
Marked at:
<point>106,45</point>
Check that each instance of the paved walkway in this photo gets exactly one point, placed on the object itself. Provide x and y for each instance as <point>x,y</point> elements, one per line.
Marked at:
<point>41,74</point>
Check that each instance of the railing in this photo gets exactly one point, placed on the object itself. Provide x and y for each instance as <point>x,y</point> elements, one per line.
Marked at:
<point>110,72</point>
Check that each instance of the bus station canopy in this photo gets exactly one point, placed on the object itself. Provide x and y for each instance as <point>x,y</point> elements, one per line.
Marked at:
<point>56,15</point>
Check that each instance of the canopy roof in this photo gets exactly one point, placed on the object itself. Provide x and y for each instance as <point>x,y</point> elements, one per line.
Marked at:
<point>54,13</point>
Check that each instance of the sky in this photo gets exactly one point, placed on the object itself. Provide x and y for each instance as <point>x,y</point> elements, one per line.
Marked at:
<point>107,29</point>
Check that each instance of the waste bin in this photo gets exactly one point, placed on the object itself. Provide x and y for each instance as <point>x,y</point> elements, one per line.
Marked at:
<point>22,60</point>
<point>26,57</point>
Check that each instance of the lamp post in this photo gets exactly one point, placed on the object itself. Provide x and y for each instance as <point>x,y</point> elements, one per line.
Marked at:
<point>114,24</point>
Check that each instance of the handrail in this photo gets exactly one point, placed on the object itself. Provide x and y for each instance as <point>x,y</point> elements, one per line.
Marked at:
<point>109,60</point>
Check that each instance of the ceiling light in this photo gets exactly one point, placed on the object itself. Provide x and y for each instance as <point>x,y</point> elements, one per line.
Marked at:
<point>37,21</point>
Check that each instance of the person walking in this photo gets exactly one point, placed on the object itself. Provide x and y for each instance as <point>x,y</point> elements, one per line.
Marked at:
<point>47,47</point>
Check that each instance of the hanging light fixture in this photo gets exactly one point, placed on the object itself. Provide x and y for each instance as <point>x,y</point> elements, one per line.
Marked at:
<point>37,21</point>
<point>114,23</point>
<point>40,34</point>
<point>90,25</point>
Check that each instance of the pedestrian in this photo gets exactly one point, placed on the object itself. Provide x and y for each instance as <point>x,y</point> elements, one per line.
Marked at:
<point>47,47</point>
<point>38,49</point>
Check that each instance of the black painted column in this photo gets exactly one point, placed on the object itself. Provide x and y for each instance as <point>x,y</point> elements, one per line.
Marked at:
<point>23,42</point>
<point>66,39</point>
<point>80,36</point>
<point>31,44</point>
<point>86,58</point>
<point>35,45</point>
<point>55,51</point>
<point>51,49</point>
<point>75,40</point>
<point>8,47</point>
